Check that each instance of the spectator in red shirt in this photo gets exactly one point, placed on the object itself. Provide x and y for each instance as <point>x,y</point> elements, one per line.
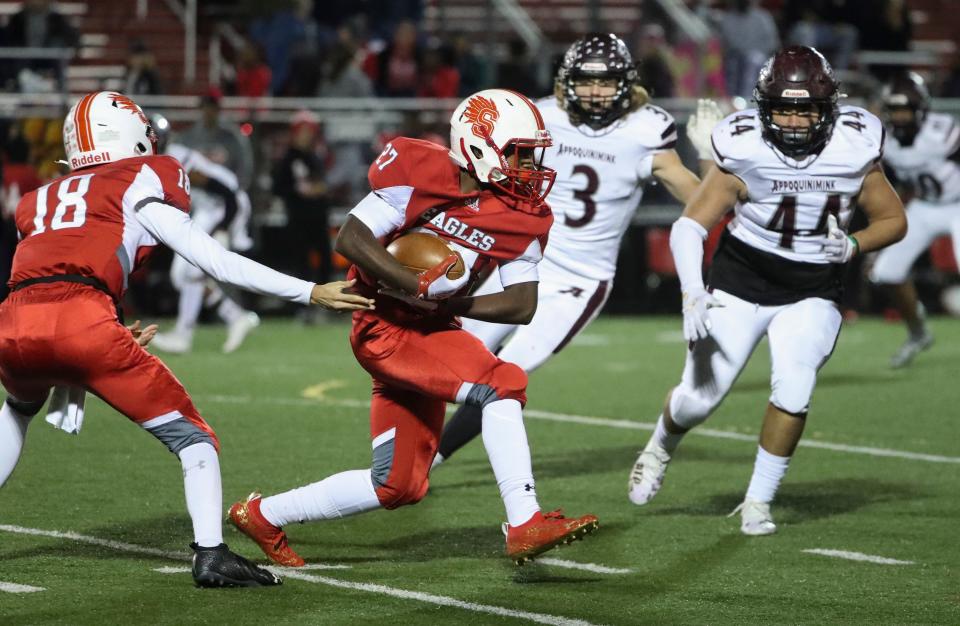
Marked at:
<point>395,70</point>
<point>439,76</point>
<point>253,75</point>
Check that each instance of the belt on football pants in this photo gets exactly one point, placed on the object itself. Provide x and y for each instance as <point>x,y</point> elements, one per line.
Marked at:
<point>90,281</point>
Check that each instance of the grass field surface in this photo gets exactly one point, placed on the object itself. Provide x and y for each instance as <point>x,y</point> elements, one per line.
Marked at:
<point>93,528</point>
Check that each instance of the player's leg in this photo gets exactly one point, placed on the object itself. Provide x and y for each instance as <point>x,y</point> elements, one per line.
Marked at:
<point>137,384</point>
<point>189,281</point>
<point>15,416</point>
<point>892,270</point>
<point>405,427</point>
<point>454,366</point>
<point>802,337</point>
<point>712,366</point>
<point>566,305</point>
<point>239,320</point>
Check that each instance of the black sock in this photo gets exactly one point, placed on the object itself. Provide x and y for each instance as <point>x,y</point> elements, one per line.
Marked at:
<point>462,427</point>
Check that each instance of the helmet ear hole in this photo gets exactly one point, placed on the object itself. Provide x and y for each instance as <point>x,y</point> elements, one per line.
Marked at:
<point>142,149</point>
<point>477,152</point>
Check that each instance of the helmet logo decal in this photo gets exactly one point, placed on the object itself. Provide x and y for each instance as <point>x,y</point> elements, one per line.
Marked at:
<point>481,113</point>
<point>795,93</point>
<point>123,102</point>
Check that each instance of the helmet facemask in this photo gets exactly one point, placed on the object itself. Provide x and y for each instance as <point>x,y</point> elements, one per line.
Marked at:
<point>597,110</point>
<point>521,174</point>
<point>797,142</point>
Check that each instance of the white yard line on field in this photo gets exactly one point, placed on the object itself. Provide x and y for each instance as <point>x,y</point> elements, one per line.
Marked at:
<point>591,420</point>
<point>429,598</point>
<point>15,588</point>
<point>857,556</point>
<point>587,567</point>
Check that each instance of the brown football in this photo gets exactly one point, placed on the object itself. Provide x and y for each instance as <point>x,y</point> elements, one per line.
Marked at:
<point>419,252</point>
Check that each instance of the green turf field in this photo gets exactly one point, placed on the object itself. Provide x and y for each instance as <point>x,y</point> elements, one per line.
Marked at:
<point>289,410</point>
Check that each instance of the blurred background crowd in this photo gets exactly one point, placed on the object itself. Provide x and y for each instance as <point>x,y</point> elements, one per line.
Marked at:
<point>296,96</point>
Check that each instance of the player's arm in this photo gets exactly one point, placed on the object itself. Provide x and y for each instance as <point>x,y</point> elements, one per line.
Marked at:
<point>719,191</point>
<point>516,304</point>
<point>175,229</point>
<point>670,170</point>
<point>884,211</point>
<point>358,243</point>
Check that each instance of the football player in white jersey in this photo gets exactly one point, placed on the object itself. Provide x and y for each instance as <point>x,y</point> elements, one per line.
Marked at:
<point>791,169</point>
<point>922,151</point>
<point>608,142</point>
<point>221,208</point>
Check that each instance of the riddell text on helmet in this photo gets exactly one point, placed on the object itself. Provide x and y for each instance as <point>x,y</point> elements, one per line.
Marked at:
<point>90,159</point>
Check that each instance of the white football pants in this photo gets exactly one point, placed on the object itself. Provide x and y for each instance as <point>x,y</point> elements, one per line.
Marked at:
<point>925,222</point>
<point>566,304</point>
<point>801,335</point>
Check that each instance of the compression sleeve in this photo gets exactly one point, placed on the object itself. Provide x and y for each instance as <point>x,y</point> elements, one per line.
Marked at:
<point>176,230</point>
<point>686,244</point>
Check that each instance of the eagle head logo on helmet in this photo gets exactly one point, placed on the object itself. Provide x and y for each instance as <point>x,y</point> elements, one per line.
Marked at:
<point>797,77</point>
<point>106,126</point>
<point>499,137</point>
<point>482,113</point>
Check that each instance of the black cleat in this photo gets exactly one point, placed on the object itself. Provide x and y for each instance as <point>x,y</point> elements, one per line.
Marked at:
<point>218,567</point>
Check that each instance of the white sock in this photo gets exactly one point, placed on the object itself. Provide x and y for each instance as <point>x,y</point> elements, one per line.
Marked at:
<point>768,471</point>
<point>505,439</point>
<point>663,438</point>
<point>340,495</point>
<point>188,309</point>
<point>201,485</point>
<point>229,311</point>
<point>437,460</point>
<point>13,431</point>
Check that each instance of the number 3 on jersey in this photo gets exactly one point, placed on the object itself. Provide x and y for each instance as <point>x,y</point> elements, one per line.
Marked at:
<point>70,192</point>
<point>585,196</point>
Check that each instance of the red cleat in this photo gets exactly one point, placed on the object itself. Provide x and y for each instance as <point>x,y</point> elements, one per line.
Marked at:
<point>248,519</point>
<point>543,532</point>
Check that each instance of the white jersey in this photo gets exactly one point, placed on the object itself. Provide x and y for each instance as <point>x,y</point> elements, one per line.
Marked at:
<point>926,163</point>
<point>789,201</point>
<point>600,178</point>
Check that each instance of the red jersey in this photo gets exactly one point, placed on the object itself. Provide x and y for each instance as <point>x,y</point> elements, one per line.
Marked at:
<point>18,179</point>
<point>487,230</point>
<point>85,222</point>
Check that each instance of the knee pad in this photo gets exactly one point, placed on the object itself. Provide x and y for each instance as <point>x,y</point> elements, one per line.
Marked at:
<point>404,488</point>
<point>506,381</point>
<point>689,408</point>
<point>181,433</point>
<point>791,393</point>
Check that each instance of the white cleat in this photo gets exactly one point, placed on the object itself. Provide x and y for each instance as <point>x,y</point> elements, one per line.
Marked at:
<point>238,330</point>
<point>910,349</point>
<point>646,477</point>
<point>755,518</point>
<point>172,342</point>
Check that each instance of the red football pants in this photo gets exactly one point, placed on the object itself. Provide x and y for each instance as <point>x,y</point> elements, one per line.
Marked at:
<point>416,371</point>
<point>68,334</point>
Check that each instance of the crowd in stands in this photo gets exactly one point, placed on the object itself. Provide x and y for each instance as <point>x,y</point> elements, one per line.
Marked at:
<point>380,48</point>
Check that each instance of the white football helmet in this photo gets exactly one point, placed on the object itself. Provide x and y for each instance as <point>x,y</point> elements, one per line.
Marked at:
<point>106,126</point>
<point>499,136</point>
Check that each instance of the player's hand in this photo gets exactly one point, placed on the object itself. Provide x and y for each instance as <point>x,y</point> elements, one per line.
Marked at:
<point>427,306</point>
<point>700,127</point>
<point>144,336</point>
<point>838,247</point>
<point>334,296</point>
<point>696,319</point>
<point>434,282</point>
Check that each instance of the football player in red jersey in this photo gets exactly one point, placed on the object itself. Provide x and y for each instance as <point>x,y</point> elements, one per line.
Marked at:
<point>81,236</point>
<point>485,198</point>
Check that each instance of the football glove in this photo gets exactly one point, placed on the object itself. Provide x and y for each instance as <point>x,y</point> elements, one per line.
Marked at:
<point>434,283</point>
<point>700,127</point>
<point>696,319</point>
<point>838,247</point>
